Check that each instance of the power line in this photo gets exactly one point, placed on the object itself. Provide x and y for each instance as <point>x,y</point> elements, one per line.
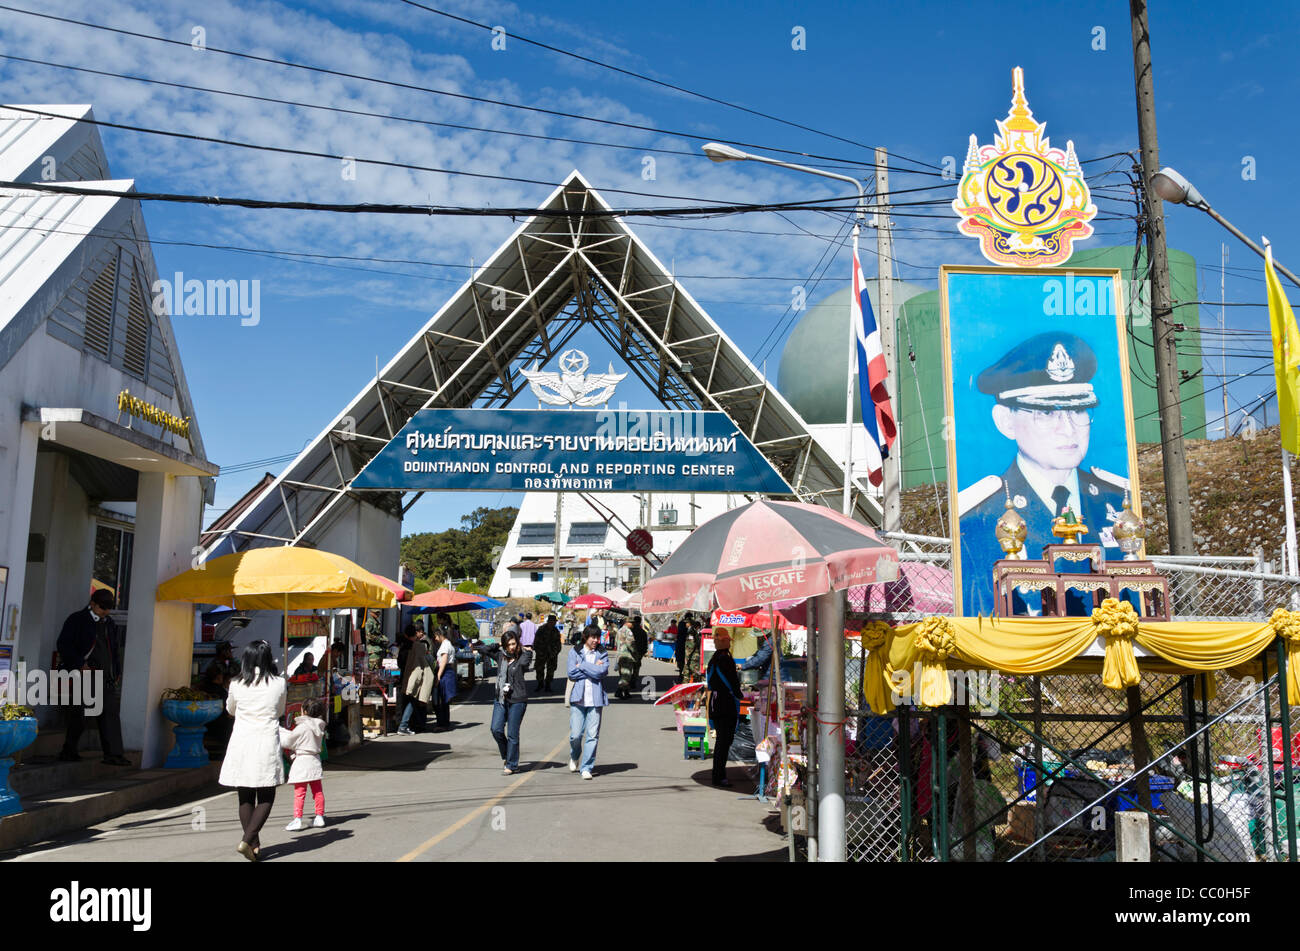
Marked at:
<point>385,116</point>
<point>411,87</point>
<point>436,210</point>
<point>635,75</point>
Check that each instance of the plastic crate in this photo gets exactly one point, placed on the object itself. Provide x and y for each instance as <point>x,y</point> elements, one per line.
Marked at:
<point>1159,786</point>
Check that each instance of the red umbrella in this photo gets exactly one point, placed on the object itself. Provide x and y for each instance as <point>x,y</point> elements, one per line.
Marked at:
<point>443,599</point>
<point>679,693</point>
<point>769,551</point>
<point>596,602</point>
<point>400,591</point>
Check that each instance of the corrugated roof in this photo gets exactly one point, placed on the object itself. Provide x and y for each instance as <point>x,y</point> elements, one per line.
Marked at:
<point>38,232</point>
<point>26,138</point>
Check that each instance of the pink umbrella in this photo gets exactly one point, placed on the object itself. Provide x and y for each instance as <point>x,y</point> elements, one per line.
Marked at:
<point>769,551</point>
<point>679,693</point>
<point>920,588</point>
<point>596,602</point>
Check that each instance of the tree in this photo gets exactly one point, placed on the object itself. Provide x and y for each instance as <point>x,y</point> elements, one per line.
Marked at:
<point>465,552</point>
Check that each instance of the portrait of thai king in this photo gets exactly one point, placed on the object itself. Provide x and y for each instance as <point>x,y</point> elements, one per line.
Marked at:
<point>1038,413</point>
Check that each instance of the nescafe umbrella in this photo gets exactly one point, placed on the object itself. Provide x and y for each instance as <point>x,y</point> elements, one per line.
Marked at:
<point>768,551</point>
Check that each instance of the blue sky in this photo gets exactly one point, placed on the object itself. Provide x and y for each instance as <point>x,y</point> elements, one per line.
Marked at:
<point>916,78</point>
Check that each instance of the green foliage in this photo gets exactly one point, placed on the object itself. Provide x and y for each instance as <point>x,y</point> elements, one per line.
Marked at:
<point>470,587</point>
<point>464,552</point>
<point>187,694</point>
<point>12,711</point>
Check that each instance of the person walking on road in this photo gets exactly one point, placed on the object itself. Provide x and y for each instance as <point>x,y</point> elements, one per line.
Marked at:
<point>513,661</point>
<point>547,646</point>
<point>724,701</point>
<point>588,667</point>
<point>253,764</point>
<point>641,641</point>
<point>88,642</point>
<point>418,683</point>
<point>527,631</point>
<point>445,679</point>
<point>303,744</point>
<point>625,644</point>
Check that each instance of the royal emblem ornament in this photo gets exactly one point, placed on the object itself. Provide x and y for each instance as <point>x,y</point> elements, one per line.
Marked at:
<point>1026,201</point>
<point>572,386</point>
<point>1060,368</point>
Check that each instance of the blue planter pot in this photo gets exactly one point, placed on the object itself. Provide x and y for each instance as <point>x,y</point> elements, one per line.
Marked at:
<point>191,718</point>
<point>14,736</point>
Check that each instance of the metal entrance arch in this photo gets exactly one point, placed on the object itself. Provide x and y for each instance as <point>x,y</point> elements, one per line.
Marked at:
<point>573,265</point>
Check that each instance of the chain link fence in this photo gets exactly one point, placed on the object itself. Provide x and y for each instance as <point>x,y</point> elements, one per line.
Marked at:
<point>1037,768</point>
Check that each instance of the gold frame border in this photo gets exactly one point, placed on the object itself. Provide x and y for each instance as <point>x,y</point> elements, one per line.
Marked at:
<point>950,448</point>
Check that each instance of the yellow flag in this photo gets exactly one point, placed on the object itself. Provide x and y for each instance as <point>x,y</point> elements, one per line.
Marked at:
<point>1286,357</point>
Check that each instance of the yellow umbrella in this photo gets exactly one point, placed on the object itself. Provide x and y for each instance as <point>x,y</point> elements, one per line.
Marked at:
<point>280,578</point>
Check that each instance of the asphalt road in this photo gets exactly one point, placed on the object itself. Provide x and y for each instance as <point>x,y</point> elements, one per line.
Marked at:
<point>442,796</point>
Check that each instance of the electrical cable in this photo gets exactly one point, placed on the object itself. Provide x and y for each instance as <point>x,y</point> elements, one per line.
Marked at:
<point>410,87</point>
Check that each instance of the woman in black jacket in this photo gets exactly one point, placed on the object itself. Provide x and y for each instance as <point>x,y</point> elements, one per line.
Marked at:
<point>725,695</point>
<point>512,663</point>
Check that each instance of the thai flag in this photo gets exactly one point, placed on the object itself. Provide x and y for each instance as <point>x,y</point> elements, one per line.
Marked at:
<point>877,412</point>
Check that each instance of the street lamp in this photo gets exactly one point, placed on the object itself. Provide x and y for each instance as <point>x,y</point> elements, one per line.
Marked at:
<point>1172,186</point>
<point>718,152</point>
<point>830,607</point>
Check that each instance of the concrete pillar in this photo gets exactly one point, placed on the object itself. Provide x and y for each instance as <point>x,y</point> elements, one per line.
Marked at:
<point>159,639</point>
<point>831,843</point>
<point>16,530</point>
<point>1132,837</point>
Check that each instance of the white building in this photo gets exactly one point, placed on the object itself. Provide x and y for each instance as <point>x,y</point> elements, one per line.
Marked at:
<point>591,550</point>
<point>102,468</point>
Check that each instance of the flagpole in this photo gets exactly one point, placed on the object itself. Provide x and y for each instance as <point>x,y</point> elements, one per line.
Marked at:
<point>848,397</point>
<point>1290,515</point>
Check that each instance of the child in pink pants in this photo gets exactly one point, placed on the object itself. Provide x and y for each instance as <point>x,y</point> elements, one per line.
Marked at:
<point>303,744</point>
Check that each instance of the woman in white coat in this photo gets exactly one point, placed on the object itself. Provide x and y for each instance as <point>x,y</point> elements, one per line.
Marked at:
<point>253,762</point>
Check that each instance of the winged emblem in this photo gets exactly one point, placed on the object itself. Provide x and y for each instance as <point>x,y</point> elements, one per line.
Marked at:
<point>572,385</point>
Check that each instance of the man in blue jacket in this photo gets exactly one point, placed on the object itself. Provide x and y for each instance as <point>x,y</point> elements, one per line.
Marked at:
<point>588,667</point>
<point>88,641</point>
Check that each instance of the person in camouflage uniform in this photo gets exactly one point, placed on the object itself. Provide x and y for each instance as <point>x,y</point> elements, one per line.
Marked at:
<point>625,642</point>
<point>376,642</point>
<point>688,629</point>
<point>546,648</point>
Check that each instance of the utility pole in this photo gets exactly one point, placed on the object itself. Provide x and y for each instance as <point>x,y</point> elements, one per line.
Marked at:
<point>1223,332</point>
<point>1177,497</point>
<point>893,474</point>
<point>558,497</point>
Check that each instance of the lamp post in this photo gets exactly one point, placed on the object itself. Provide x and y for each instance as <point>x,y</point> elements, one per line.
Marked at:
<point>830,836</point>
<point>1171,186</point>
<point>718,152</point>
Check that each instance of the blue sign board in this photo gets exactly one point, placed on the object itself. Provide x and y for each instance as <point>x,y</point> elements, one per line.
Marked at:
<point>563,450</point>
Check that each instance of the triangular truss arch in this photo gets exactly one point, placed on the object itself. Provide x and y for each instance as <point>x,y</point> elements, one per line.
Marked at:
<point>559,272</point>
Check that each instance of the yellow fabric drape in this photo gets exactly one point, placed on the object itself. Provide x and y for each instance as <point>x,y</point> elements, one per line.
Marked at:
<point>1116,621</point>
<point>1286,625</point>
<point>1021,646</point>
<point>876,683</point>
<point>935,639</point>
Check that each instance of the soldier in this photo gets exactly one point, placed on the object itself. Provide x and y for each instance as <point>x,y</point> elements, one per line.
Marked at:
<point>689,630</point>
<point>1044,400</point>
<point>546,646</point>
<point>625,641</point>
<point>376,642</point>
